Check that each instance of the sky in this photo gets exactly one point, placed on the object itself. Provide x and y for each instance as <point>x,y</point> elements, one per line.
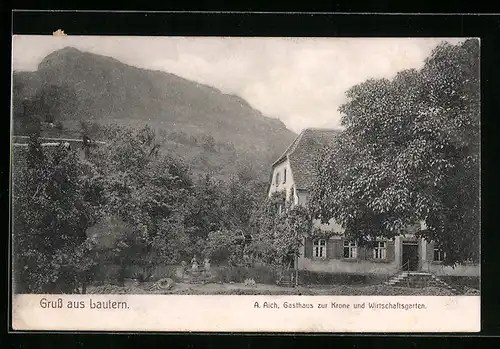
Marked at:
<point>301,81</point>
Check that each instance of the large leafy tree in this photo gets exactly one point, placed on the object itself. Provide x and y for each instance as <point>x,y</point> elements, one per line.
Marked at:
<point>410,152</point>
<point>50,216</point>
<point>243,192</point>
<point>277,236</point>
<point>223,207</point>
<point>147,191</point>
<point>206,207</point>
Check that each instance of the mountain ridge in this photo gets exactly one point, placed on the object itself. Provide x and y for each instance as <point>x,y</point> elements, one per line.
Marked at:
<point>104,90</point>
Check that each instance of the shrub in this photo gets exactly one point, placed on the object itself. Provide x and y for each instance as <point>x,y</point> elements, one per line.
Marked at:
<point>321,278</point>
<point>260,274</point>
<point>237,274</point>
<point>250,282</point>
<point>462,281</point>
<point>223,246</point>
<point>106,273</point>
<point>165,271</point>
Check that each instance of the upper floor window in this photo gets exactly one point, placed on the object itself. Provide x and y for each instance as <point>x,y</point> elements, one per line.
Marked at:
<point>302,199</point>
<point>277,178</point>
<point>439,255</point>
<point>380,250</point>
<point>319,248</point>
<point>350,249</point>
<point>280,209</point>
<point>284,176</point>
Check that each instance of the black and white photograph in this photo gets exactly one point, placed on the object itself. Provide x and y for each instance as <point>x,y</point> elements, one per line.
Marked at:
<point>245,166</point>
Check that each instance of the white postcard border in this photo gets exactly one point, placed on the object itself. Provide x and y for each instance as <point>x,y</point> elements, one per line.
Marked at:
<point>174,313</point>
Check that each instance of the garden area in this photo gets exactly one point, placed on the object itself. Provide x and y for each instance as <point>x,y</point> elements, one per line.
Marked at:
<point>263,289</point>
<point>262,281</point>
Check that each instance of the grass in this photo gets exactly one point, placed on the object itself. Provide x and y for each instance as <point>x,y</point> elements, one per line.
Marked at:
<point>226,280</point>
<point>261,289</point>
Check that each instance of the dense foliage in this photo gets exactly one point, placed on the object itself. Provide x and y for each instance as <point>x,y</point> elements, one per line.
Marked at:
<point>126,203</point>
<point>50,217</point>
<point>277,235</point>
<point>410,152</point>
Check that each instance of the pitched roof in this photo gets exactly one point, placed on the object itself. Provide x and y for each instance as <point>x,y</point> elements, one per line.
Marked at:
<point>303,153</point>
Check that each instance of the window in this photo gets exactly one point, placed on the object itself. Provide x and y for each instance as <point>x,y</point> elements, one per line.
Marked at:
<point>277,178</point>
<point>284,176</point>
<point>319,248</point>
<point>302,199</point>
<point>439,255</point>
<point>380,250</point>
<point>350,249</point>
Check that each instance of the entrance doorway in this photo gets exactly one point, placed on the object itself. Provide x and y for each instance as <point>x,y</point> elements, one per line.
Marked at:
<point>410,256</point>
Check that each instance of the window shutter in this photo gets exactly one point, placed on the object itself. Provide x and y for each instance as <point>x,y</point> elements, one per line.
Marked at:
<point>363,252</point>
<point>308,248</point>
<point>430,251</point>
<point>339,248</point>
<point>390,250</point>
<point>330,248</point>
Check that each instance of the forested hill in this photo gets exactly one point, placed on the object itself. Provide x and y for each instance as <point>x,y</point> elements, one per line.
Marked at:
<point>211,130</point>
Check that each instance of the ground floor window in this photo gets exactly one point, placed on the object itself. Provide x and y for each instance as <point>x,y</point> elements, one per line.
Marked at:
<point>439,255</point>
<point>319,248</point>
<point>350,249</point>
<point>380,250</point>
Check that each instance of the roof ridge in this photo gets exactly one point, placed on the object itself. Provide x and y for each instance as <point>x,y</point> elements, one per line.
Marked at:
<point>292,145</point>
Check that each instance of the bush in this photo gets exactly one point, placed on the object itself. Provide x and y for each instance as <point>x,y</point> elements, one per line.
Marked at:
<point>261,274</point>
<point>250,282</point>
<point>106,273</point>
<point>109,273</point>
<point>471,292</point>
<point>318,278</point>
<point>461,282</point>
<point>223,246</point>
<point>165,271</point>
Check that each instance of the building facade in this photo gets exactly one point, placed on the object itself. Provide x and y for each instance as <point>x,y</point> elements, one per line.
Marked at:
<point>293,173</point>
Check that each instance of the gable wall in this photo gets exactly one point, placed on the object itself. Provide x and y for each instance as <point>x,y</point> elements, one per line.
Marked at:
<point>287,185</point>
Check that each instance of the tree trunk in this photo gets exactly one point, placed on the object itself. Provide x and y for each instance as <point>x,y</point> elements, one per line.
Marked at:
<point>296,271</point>
<point>121,277</point>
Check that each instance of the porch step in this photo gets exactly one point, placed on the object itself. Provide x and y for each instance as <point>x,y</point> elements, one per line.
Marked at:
<point>286,282</point>
<point>418,280</point>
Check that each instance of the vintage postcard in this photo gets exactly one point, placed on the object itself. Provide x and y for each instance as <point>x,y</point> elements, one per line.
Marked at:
<point>245,184</point>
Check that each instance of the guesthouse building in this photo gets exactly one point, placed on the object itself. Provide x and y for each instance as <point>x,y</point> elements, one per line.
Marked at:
<point>293,174</point>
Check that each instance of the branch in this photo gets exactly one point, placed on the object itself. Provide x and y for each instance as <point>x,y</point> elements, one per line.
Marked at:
<point>36,192</point>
